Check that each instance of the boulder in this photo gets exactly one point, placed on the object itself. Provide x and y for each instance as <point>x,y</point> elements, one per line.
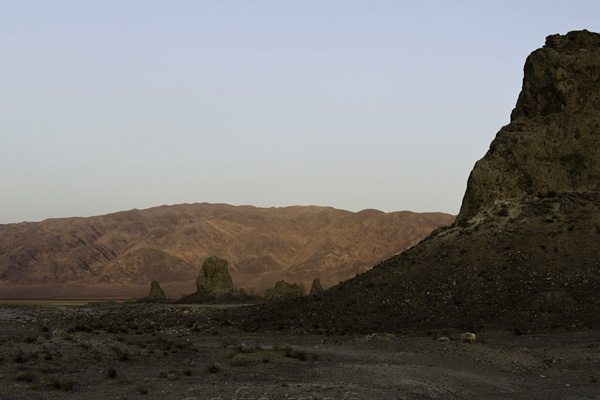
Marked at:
<point>468,337</point>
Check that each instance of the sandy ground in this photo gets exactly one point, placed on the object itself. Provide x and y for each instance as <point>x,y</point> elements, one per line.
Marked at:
<point>146,351</point>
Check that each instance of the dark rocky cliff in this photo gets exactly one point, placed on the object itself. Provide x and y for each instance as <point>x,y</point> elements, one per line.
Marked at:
<point>552,143</point>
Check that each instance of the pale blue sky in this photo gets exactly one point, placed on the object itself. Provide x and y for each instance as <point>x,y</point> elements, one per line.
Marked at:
<point>112,105</point>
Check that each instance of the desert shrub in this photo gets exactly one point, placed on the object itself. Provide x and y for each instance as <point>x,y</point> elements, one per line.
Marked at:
<point>502,212</point>
<point>142,390</point>
<point>227,343</point>
<point>79,328</point>
<point>112,329</point>
<point>214,367</point>
<point>22,358</point>
<point>240,361</point>
<point>65,384</point>
<point>48,370</point>
<point>84,345</point>
<point>97,325</point>
<point>111,373</point>
<point>244,348</point>
<point>121,355</point>
<point>187,372</point>
<point>172,377</point>
<point>183,344</point>
<point>301,355</point>
<point>26,376</point>
<point>19,357</point>
<point>230,353</point>
<point>30,339</point>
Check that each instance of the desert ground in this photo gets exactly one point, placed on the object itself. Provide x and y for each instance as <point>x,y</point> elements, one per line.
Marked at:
<point>112,350</point>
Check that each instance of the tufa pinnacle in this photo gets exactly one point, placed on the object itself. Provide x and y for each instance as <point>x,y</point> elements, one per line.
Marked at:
<point>552,144</point>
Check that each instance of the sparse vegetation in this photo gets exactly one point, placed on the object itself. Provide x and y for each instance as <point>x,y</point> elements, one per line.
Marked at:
<point>214,367</point>
<point>142,390</point>
<point>26,376</point>
<point>121,355</point>
<point>240,361</point>
<point>63,383</point>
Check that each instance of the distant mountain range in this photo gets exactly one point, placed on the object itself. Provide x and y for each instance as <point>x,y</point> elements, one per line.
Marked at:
<point>120,254</point>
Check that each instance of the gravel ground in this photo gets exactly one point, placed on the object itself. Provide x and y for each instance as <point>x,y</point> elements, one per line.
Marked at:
<point>146,351</point>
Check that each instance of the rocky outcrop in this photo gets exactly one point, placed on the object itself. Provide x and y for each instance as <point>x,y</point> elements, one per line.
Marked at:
<point>156,295</point>
<point>316,287</point>
<point>214,276</point>
<point>156,292</point>
<point>524,252</point>
<point>552,144</point>
<point>284,289</point>
<point>214,286</point>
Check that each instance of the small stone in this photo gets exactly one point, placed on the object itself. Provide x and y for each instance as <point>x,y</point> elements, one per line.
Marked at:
<point>172,377</point>
<point>468,337</point>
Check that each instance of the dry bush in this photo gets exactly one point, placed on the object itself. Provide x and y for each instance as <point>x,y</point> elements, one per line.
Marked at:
<point>25,376</point>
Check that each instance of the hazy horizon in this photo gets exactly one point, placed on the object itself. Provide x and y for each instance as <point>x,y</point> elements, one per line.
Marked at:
<point>110,106</point>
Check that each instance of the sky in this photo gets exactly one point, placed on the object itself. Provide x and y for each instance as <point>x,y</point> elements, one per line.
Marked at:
<point>112,105</point>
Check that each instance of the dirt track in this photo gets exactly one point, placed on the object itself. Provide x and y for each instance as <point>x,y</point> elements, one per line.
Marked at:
<point>129,351</point>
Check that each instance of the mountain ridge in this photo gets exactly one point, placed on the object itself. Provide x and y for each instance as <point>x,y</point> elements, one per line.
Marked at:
<point>169,243</point>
